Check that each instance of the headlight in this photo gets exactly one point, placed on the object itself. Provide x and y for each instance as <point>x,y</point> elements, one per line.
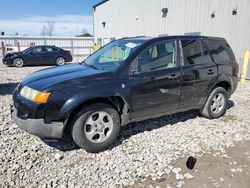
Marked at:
<point>34,95</point>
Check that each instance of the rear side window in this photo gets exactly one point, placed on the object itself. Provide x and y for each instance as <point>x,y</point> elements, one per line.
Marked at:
<point>55,49</point>
<point>48,49</point>
<point>195,52</point>
<point>220,50</point>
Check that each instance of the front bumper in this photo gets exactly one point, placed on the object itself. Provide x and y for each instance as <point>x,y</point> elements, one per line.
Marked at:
<point>37,127</point>
<point>7,61</point>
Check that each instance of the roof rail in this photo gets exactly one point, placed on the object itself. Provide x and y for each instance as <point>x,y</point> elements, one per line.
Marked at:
<point>163,35</point>
<point>193,33</point>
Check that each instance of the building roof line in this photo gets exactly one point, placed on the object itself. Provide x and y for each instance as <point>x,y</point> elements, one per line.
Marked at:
<point>96,5</point>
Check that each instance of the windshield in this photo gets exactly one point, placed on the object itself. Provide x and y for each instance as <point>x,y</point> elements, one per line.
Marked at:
<point>27,50</point>
<point>111,56</point>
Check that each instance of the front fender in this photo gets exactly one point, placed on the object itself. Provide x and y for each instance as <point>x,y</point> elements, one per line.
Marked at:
<point>78,99</point>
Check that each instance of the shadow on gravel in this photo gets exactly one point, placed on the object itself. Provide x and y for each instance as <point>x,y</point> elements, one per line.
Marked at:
<point>8,88</point>
<point>67,144</point>
<point>64,144</point>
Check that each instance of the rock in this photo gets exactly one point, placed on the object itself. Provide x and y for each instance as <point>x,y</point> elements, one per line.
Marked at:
<point>58,156</point>
<point>153,178</point>
<point>225,156</point>
<point>188,176</point>
<point>28,166</point>
<point>176,170</point>
<point>238,170</point>
<point>179,177</point>
<point>180,184</point>
<point>221,179</point>
<point>35,147</point>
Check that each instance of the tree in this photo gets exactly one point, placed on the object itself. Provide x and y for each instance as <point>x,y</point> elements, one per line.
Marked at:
<point>84,33</point>
<point>48,28</point>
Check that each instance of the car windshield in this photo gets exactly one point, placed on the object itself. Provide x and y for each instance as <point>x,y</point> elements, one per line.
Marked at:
<point>111,56</point>
<point>27,50</point>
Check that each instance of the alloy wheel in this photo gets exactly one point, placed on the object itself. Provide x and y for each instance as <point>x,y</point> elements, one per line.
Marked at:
<point>218,103</point>
<point>98,127</point>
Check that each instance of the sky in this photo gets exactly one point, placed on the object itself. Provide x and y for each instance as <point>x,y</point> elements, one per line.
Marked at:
<point>27,17</point>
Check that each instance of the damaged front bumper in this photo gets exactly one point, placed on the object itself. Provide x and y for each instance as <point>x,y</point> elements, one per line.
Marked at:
<point>37,127</point>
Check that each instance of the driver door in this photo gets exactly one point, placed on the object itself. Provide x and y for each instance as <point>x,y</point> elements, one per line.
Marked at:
<point>35,56</point>
<point>155,80</point>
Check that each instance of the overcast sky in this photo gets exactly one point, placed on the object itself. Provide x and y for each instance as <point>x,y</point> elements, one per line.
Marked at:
<point>27,17</point>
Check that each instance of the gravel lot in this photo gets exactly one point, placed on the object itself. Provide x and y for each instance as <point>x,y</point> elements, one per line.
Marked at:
<point>149,149</point>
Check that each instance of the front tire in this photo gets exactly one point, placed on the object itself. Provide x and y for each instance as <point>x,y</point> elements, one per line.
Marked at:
<point>216,104</point>
<point>60,61</point>
<point>18,62</point>
<point>96,127</point>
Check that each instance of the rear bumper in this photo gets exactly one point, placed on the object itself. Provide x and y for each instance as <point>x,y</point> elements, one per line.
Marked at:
<point>69,59</point>
<point>37,127</point>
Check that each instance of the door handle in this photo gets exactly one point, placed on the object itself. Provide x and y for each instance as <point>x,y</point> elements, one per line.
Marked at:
<point>210,71</point>
<point>148,79</point>
<point>173,76</point>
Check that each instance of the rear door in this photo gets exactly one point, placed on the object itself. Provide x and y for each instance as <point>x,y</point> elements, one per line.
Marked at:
<point>155,80</point>
<point>198,73</point>
<point>49,55</point>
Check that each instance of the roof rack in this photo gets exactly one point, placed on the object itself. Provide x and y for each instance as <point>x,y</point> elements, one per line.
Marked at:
<point>163,35</point>
<point>193,33</point>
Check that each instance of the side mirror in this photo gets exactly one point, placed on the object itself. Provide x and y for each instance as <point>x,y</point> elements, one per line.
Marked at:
<point>133,72</point>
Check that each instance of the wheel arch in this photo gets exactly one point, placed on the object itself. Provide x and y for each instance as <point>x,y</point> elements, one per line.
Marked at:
<point>224,84</point>
<point>117,102</point>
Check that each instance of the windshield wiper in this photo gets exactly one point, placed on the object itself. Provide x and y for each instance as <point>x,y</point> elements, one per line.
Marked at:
<point>92,66</point>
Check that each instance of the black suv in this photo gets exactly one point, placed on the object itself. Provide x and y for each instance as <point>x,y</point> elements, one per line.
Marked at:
<point>38,55</point>
<point>128,80</point>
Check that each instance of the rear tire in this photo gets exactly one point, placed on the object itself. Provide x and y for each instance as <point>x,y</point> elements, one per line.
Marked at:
<point>18,62</point>
<point>216,104</point>
<point>60,61</point>
<point>96,127</point>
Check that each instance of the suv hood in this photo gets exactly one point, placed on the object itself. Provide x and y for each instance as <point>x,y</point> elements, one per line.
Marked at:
<point>46,78</point>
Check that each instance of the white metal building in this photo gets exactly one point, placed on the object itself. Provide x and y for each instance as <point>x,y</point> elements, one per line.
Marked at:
<point>115,19</point>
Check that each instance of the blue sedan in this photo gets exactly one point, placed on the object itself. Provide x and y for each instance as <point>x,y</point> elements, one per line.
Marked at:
<point>38,55</point>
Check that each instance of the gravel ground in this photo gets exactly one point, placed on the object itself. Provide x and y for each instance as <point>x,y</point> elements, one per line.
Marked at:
<point>149,149</point>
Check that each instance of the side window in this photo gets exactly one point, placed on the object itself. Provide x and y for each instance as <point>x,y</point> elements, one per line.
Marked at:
<point>192,52</point>
<point>37,49</point>
<point>220,50</point>
<point>158,56</point>
<point>55,49</point>
<point>48,49</point>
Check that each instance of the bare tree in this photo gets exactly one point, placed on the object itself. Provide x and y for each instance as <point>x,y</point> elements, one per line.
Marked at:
<point>48,28</point>
<point>43,30</point>
<point>84,31</point>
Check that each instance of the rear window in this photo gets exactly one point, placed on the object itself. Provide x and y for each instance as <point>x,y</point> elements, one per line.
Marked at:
<point>220,50</point>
